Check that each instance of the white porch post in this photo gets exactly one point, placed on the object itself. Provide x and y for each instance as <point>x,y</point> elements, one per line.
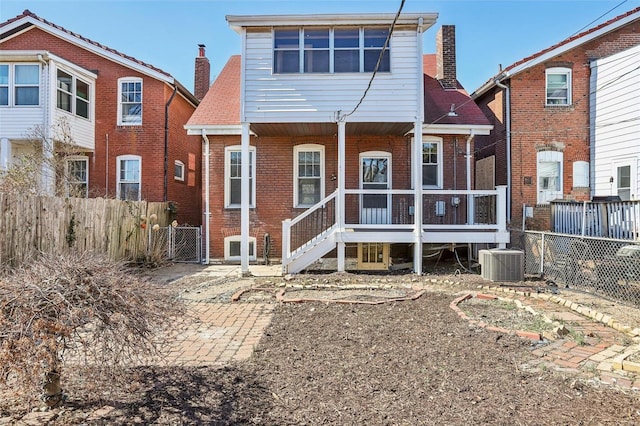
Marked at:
<point>245,200</point>
<point>417,203</point>
<point>5,154</point>
<point>340,197</point>
<point>470,199</point>
<point>501,211</point>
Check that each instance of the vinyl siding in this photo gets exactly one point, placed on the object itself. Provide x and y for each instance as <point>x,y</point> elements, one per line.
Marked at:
<point>317,97</point>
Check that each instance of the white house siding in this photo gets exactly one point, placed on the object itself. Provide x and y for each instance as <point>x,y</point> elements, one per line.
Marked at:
<point>82,131</point>
<point>19,123</point>
<point>317,97</point>
<point>615,128</point>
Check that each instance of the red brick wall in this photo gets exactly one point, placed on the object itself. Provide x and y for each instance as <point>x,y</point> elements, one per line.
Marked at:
<point>146,140</point>
<point>535,126</point>
<point>274,184</point>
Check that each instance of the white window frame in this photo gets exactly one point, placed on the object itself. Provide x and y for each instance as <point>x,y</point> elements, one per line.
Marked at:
<point>238,239</point>
<point>119,181</point>
<point>617,165</point>
<point>302,50</point>
<point>547,195</point>
<point>227,176</point>
<point>73,94</point>
<point>580,174</point>
<point>296,178</point>
<point>180,176</point>
<point>549,101</point>
<point>122,118</point>
<point>439,164</point>
<point>6,85</point>
<point>69,182</point>
<point>11,85</point>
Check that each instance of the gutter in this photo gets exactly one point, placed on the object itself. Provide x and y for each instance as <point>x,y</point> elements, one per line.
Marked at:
<point>166,143</point>
<point>508,140</point>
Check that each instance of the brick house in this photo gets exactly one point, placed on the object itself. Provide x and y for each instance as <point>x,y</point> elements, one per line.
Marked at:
<point>541,109</point>
<point>345,124</point>
<point>119,120</point>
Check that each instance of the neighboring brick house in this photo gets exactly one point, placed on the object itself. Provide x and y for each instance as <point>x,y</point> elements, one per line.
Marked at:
<point>122,119</point>
<point>540,106</point>
<point>332,173</point>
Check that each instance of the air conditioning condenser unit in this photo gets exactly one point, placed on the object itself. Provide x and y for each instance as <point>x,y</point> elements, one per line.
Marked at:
<point>502,265</point>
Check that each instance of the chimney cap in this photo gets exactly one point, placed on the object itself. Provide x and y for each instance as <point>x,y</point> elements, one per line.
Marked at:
<point>201,45</point>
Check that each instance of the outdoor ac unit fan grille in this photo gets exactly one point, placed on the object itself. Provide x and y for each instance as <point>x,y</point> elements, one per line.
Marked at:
<point>502,265</point>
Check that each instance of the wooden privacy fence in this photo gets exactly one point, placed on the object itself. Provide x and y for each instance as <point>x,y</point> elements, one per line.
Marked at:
<point>31,224</point>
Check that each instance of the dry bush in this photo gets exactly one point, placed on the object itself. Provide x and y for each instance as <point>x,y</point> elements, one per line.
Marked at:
<point>77,311</point>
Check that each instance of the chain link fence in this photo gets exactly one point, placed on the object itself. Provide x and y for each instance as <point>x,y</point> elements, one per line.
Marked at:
<point>606,267</point>
<point>176,243</point>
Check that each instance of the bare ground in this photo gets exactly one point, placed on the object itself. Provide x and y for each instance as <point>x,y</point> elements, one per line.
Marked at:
<point>413,362</point>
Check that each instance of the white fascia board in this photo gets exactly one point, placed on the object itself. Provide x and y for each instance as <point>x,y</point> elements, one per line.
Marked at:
<point>555,52</point>
<point>456,129</point>
<point>78,69</point>
<point>228,129</point>
<point>90,47</point>
<point>573,44</point>
<point>422,20</point>
<point>36,55</point>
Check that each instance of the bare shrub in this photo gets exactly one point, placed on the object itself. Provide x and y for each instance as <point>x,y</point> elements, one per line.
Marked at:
<point>78,310</point>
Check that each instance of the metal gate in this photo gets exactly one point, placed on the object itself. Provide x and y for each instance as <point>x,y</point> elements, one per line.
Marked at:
<point>177,243</point>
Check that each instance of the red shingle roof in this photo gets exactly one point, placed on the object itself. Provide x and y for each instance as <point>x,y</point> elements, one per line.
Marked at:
<point>221,104</point>
<point>438,101</point>
<point>26,13</point>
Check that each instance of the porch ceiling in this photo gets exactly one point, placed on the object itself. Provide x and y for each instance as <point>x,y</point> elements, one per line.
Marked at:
<point>324,129</point>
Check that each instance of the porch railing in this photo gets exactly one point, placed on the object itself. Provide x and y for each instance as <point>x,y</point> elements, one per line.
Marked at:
<point>309,225</point>
<point>611,219</point>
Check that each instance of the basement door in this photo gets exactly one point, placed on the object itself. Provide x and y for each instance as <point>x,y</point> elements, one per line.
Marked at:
<point>375,174</point>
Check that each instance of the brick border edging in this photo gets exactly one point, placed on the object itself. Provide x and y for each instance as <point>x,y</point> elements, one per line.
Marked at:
<point>607,320</point>
<point>521,333</point>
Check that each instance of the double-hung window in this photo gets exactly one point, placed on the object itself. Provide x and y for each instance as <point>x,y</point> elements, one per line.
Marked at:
<point>19,85</point>
<point>178,170</point>
<point>72,94</point>
<point>130,101</point>
<point>432,163</point>
<point>558,85</point>
<point>330,50</point>
<point>233,176</point>
<point>129,177</point>
<point>308,175</point>
<point>4,85</point>
<point>77,177</point>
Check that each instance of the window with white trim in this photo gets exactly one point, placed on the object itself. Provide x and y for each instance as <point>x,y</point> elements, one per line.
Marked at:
<point>558,85</point>
<point>431,162</point>
<point>4,85</point>
<point>19,85</point>
<point>77,182</point>
<point>232,248</point>
<point>549,166</point>
<point>623,182</point>
<point>72,94</point>
<point>330,50</point>
<point>178,170</point>
<point>129,101</point>
<point>580,174</point>
<point>308,175</point>
<point>233,176</point>
<point>129,175</point>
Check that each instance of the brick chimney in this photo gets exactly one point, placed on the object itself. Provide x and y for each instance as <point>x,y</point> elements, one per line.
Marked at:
<point>202,74</point>
<point>446,56</point>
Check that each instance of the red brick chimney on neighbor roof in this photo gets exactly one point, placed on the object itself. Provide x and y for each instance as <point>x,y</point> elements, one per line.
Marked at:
<point>446,56</point>
<point>202,74</point>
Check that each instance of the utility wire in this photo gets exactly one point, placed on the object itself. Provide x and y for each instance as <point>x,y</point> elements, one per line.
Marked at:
<point>599,17</point>
<point>375,70</point>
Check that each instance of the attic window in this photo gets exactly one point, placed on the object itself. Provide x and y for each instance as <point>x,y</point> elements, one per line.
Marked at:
<point>330,50</point>
<point>558,86</point>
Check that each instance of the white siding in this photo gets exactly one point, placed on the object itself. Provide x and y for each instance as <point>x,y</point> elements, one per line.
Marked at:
<point>317,97</point>
<point>19,122</point>
<point>615,108</point>
<point>82,130</point>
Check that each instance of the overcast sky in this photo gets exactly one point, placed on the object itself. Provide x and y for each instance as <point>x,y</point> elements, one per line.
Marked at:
<point>166,33</point>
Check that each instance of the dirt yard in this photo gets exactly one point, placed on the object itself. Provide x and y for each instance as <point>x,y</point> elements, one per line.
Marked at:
<point>412,362</point>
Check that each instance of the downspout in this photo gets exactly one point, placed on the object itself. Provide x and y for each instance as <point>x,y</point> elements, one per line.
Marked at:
<point>207,213</point>
<point>508,141</point>
<point>166,143</point>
